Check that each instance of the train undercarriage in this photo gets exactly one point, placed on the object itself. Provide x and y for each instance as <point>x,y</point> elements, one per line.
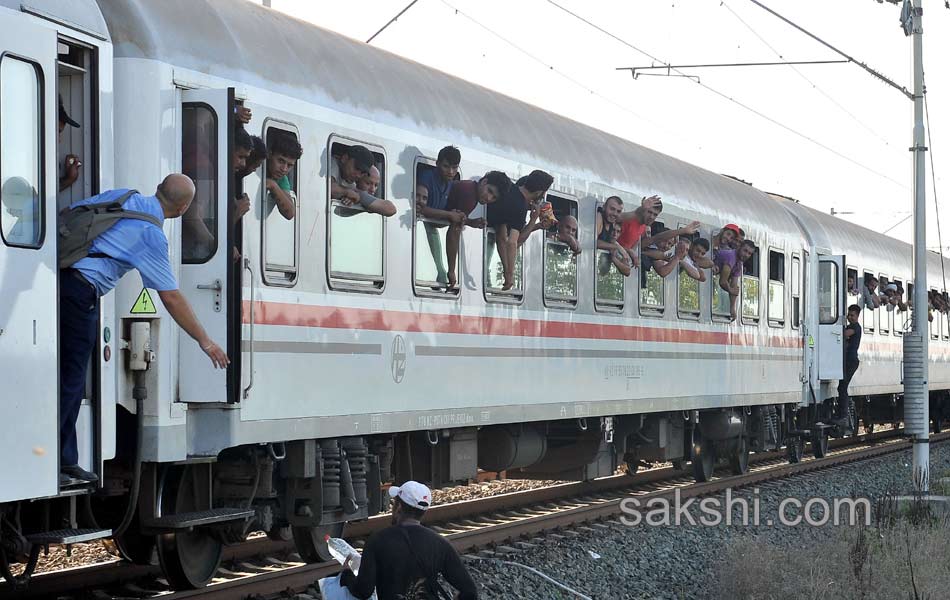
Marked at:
<point>183,514</point>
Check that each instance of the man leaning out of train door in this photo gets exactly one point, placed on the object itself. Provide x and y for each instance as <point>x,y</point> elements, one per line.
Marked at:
<point>345,172</point>
<point>127,244</point>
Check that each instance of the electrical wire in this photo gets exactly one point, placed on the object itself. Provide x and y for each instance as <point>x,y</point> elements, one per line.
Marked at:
<point>547,578</point>
<point>390,22</point>
<point>799,72</point>
<point>933,178</point>
<point>742,105</point>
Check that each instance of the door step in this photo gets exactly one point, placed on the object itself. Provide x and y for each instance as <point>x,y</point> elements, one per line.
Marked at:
<point>190,520</point>
<point>67,536</point>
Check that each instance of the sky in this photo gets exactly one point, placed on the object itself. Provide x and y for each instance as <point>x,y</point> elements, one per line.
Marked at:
<point>830,136</point>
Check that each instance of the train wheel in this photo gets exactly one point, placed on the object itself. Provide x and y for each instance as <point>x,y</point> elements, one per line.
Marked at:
<point>134,546</point>
<point>739,461</point>
<point>189,559</point>
<point>795,449</point>
<point>819,442</point>
<point>311,544</point>
<point>703,458</point>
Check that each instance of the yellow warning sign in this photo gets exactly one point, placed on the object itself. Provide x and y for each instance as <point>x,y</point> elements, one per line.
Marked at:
<point>143,304</point>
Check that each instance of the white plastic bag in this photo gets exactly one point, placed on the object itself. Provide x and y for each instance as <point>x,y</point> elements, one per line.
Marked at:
<point>330,589</point>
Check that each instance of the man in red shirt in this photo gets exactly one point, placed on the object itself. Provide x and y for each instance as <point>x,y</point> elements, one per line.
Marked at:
<point>635,226</point>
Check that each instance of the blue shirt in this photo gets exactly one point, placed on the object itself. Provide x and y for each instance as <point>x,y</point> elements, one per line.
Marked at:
<point>438,189</point>
<point>131,244</point>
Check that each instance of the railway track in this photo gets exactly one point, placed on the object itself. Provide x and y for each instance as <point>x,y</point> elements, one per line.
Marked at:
<point>263,567</point>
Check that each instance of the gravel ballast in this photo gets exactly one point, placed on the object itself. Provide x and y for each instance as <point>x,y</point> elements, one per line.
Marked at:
<point>680,562</point>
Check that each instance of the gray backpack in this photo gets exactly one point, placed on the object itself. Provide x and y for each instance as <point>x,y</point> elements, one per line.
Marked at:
<point>80,225</point>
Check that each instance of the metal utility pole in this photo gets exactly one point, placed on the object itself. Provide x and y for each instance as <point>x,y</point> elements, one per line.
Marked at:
<point>916,355</point>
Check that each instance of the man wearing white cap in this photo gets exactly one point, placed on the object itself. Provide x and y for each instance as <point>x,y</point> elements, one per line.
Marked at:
<point>407,558</point>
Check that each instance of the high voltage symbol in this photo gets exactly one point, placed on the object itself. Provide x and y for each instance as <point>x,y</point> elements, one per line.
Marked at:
<point>143,304</point>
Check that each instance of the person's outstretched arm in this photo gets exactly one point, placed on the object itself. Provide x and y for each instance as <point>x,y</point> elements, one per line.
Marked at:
<point>180,310</point>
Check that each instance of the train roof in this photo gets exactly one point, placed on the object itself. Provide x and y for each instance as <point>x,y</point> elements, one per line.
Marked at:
<point>82,15</point>
<point>269,49</point>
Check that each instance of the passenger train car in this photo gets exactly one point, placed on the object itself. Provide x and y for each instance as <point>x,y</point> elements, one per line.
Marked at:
<point>352,365</point>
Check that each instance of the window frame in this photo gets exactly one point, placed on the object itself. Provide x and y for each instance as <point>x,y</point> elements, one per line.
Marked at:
<point>689,315</point>
<point>650,310</point>
<point>773,322</point>
<point>607,306</point>
<point>715,289</point>
<point>421,290</point>
<point>266,272</point>
<point>354,284</point>
<point>836,302</point>
<point>498,295</point>
<point>884,315</point>
<point>793,310</point>
<point>740,313</point>
<point>41,148</point>
<point>216,179</point>
<point>897,329</point>
<point>564,303</point>
<point>937,314</point>
<point>867,311</point>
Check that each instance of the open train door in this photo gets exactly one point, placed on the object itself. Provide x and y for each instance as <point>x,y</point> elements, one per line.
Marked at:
<point>210,247</point>
<point>831,317</point>
<point>29,366</point>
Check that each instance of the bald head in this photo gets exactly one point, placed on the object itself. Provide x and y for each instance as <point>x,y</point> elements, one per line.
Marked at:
<point>568,226</point>
<point>370,182</point>
<point>175,192</point>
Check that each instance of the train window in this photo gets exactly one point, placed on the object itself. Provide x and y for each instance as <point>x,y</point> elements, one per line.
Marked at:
<point>900,315</point>
<point>750,288</point>
<point>430,246</point>
<point>280,227</point>
<point>884,315</point>
<point>935,322</point>
<point>356,238</point>
<point>827,293</point>
<point>796,282</point>
<point>560,261</point>
<point>721,302</point>
<point>776,288</point>
<point>21,152</point>
<point>199,161</point>
<point>495,273</point>
<point>868,315</point>
<point>687,289</point>
<point>609,282</point>
<point>854,294</point>
<point>652,285</point>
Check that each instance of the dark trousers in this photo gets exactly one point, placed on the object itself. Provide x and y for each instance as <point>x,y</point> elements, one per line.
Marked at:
<point>849,368</point>
<point>78,315</point>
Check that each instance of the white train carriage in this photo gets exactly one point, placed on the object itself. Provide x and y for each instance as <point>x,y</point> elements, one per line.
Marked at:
<point>351,365</point>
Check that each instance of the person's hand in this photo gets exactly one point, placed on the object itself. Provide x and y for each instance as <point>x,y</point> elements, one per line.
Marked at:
<point>271,184</point>
<point>242,205</point>
<point>478,223</point>
<point>350,197</point>
<point>681,249</point>
<point>456,217</point>
<point>650,202</point>
<point>73,164</point>
<point>242,114</point>
<point>235,255</point>
<point>573,245</point>
<point>692,228</point>
<point>218,358</point>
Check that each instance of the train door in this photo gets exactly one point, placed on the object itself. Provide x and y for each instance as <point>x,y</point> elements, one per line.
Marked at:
<point>210,251</point>
<point>831,317</point>
<point>28,296</point>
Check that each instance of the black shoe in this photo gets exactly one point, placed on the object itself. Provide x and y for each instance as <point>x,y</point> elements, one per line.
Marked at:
<point>77,472</point>
<point>66,481</point>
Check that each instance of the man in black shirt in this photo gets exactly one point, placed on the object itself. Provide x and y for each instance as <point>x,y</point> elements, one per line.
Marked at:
<point>852,340</point>
<point>407,555</point>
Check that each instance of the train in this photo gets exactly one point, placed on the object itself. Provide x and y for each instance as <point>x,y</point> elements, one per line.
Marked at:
<point>351,366</point>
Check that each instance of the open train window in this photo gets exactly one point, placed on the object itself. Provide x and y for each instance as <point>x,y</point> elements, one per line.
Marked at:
<point>609,282</point>
<point>868,315</point>
<point>431,241</point>
<point>199,161</point>
<point>687,288</point>
<point>853,291</point>
<point>652,285</point>
<point>356,239</point>
<point>900,316</point>
<point>776,288</point>
<point>796,283</point>
<point>884,315</point>
<point>935,322</point>
<point>721,302</point>
<point>280,227</point>
<point>494,272</point>
<point>21,153</point>
<point>560,260</point>
<point>750,289</point>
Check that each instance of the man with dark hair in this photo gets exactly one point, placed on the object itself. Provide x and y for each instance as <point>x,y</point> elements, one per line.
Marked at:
<point>242,150</point>
<point>255,158</point>
<point>406,559</point>
<point>508,218</point>
<point>696,257</point>
<point>283,153</point>
<point>607,229</point>
<point>346,170</point>
<point>126,245</point>
<point>730,263</point>
<point>466,200</point>
<point>635,227</point>
<point>852,341</point>
<point>439,181</point>
<point>71,164</point>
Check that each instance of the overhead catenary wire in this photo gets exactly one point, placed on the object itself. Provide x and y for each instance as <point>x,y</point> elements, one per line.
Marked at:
<point>799,72</point>
<point>390,22</point>
<point>933,178</point>
<point>733,100</point>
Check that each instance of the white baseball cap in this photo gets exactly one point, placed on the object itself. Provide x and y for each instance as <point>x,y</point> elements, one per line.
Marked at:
<point>412,493</point>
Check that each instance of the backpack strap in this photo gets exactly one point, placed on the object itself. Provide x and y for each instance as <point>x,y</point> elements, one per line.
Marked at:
<point>432,581</point>
<point>131,214</point>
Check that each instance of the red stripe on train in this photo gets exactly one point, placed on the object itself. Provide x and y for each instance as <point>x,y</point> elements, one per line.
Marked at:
<point>298,315</point>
